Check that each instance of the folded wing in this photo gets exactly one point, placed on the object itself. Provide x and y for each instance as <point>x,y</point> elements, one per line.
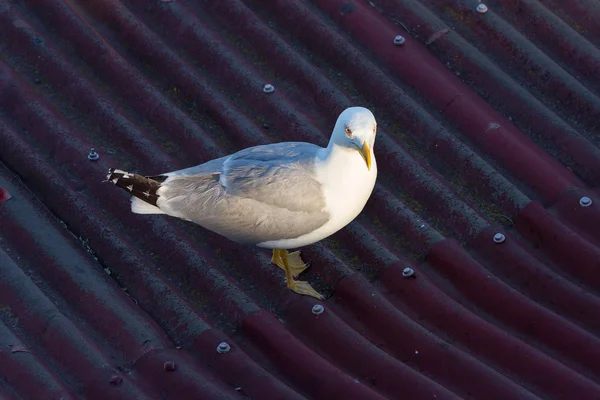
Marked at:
<point>260,194</point>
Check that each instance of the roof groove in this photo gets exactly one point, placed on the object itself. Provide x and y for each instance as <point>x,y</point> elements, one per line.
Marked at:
<point>144,96</point>
<point>57,337</point>
<point>67,276</point>
<point>558,38</point>
<point>25,364</point>
<point>583,16</point>
<point>334,335</point>
<point>516,266</point>
<point>509,307</point>
<point>473,66</point>
<point>571,254</point>
<point>419,347</point>
<point>551,82</point>
<point>491,344</point>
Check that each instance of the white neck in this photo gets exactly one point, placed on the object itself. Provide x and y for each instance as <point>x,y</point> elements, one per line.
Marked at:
<point>348,181</point>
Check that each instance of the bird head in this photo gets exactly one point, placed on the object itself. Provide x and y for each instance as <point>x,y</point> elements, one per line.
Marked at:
<point>355,129</point>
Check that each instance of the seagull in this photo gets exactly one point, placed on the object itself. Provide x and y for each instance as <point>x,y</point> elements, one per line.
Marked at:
<point>278,196</point>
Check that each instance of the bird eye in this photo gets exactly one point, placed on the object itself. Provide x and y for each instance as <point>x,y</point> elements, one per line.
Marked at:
<point>348,132</point>
<point>374,129</point>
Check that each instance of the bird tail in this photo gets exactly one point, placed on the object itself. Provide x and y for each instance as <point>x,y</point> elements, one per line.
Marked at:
<point>143,189</point>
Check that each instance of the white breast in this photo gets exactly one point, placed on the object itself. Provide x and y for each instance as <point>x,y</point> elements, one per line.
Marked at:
<point>347,184</point>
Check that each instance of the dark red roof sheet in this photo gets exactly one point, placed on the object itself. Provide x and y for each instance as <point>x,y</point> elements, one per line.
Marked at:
<point>489,162</point>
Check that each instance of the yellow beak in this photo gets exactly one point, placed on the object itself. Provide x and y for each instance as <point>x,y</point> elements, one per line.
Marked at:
<point>365,152</point>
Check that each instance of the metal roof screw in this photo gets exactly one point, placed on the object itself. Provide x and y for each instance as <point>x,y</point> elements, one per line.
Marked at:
<point>169,366</point>
<point>399,40</point>
<point>116,380</point>
<point>408,272</point>
<point>482,8</point>
<point>585,201</point>
<point>318,309</point>
<point>499,238</point>
<point>268,88</point>
<point>223,348</point>
<point>93,156</point>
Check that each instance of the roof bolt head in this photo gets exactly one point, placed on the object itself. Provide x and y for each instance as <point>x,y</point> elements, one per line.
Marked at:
<point>93,156</point>
<point>116,380</point>
<point>585,201</point>
<point>408,272</point>
<point>169,365</point>
<point>268,88</point>
<point>223,347</point>
<point>318,309</point>
<point>499,238</point>
<point>399,40</point>
<point>482,8</point>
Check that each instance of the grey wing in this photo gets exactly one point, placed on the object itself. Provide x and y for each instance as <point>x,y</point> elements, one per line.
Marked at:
<point>281,174</point>
<point>260,194</point>
<point>209,167</point>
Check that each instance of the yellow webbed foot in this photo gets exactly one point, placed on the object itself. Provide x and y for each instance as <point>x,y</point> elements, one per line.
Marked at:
<point>295,263</point>
<point>302,287</point>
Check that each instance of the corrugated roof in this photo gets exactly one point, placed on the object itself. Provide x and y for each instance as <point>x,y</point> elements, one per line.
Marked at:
<point>489,165</point>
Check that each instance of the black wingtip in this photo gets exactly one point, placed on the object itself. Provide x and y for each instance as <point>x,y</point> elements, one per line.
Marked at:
<point>139,186</point>
<point>108,176</point>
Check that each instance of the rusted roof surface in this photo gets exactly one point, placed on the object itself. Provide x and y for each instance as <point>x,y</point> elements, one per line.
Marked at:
<point>488,159</point>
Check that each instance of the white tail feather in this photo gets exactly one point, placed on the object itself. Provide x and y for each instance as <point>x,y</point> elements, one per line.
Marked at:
<point>139,206</point>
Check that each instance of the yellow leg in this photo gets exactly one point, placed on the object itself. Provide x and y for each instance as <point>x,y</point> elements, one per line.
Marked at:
<point>299,287</point>
<point>295,263</point>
